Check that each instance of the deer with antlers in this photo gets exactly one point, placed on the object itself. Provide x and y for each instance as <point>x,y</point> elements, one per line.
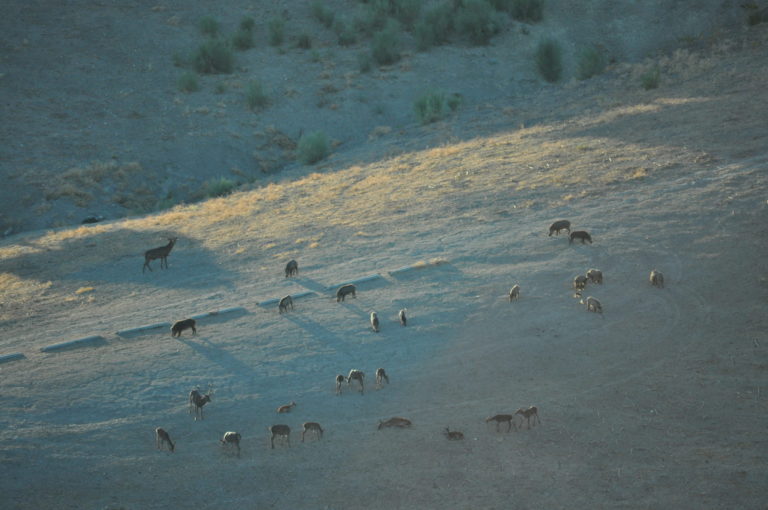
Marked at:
<point>159,253</point>
<point>198,400</point>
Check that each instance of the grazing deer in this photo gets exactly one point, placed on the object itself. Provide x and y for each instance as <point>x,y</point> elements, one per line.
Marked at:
<point>580,282</point>
<point>500,418</point>
<point>339,379</point>
<point>657,279</point>
<point>593,305</point>
<point>291,268</point>
<point>453,435</point>
<point>527,413</point>
<point>375,322</point>
<point>402,317</point>
<point>581,235</point>
<point>395,422</point>
<point>284,303</point>
<point>197,401</point>
<point>356,375</point>
<point>381,376</point>
<point>280,431</point>
<point>162,437</point>
<point>344,291</point>
<point>312,426</point>
<point>180,326</point>
<point>557,226</point>
<point>286,408</point>
<point>159,253</point>
<point>514,292</point>
<point>232,438</point>
<point>595,276</point>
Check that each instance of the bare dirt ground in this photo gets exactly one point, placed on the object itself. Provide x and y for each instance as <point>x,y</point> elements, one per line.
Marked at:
<point>659,402</point>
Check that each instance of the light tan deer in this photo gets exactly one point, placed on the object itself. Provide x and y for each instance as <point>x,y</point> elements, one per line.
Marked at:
<point>280,431</point>
<point>657,279</point>
<point>593,305</point>
<point>312,426</point>
<point>286,408</point>
<point>356,375</point>
<point>528,413</point>
<point>159,253</point>
<point>375,322</point>
<point>161,438</point>
<point>402,317</point>
<point>197,401</point>
<point>502,418</point>
<point>514,292</point>
<point>595,276</point>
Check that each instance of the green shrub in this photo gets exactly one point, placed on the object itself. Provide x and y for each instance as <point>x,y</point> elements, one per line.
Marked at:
<point>243,40</point>
<point>591,63</point>
<point>218,187</point>
<point>214,56</point>
<point>188,82</point>
<point>364,62</point>
<point>312,148</point>
<point>549,60</point>
<point>650,79</point>
<point>209,26</point>
<point>531,11</point>
<point>435,27</point>
<point>304,42</point>
<point>405,11</point>
<point>478,21</point>
<point>434,105</point>
<point>322,14</point>
<point>181,60</point>
<point>385,47</point>
<point>220,88</point>
<point>247,24</point>
<point>345,34</point>
<point>276,31</point>
<point>255,96</point>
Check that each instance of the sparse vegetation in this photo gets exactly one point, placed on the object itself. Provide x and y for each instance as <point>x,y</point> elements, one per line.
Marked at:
<point>478,21</point>
<point>247,24</point>
<point>531,11</point>
<point>364,62</point>
<point>322,14</point>
<point>434,105</point>
<point>214,56</point>
<point>243,40</point>
<point>435,26</point>
<point>255,96</point>
<point>218,187</point>
<point>549,60</point>
<point>209,26</point>
<point>312,148</point>
<point>304,42</point>
<point>276,31</point>
<point>650,79</point>
<point>188,82</point>
<point>345,34</point>
<point>591,63</point>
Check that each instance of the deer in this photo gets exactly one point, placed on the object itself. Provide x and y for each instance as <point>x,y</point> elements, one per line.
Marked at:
<point>593,305</point>
<point>514,292</point>
<point>453,435</point>
<point>356,375</point>
<point>402,317</point>
<point>532,411</point>
<point>374,322</point>
<point>500,418</point>
<point>344,291</point>
<point>286,408</point>
<point>580,282</point>
<point>581,235</point>
<point>557,226</point>
<point>291,268</point>
<point>232,438</point>
<point>280,431</point>
<point>284,304</point>
<point>595,276</point>
<point>339,379</point>
<point>396,421</point>
<point>381,376</point>
<point>159,253</point>
<point>657,279</point>
<point>180,326</point>
<point>197,401</point>
<point>162,437</point>
<point>312,426</point>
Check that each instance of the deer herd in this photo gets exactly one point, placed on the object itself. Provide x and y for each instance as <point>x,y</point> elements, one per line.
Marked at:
<point>282,432</point>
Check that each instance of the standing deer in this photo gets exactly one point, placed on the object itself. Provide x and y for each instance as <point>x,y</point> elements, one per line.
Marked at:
<point>657,279</point>
<point>280,431</point>
<point>313,427</point>
<point>514,292</point>
<point>595,276</point>
<point>180,326</point>
<point>159,253</point>
<point>197,401</point>
<point>291,268</point>
<point>162,437</point>
<point>375,322</point>
<point>528,413</point>
<point>593,305</point>
<point>356,375</point>
<point>402,317</point>
<point>339,379</point>
<point>284,304</point>
<point>581,235</point>
<point>232,438</point>
<point>557,226</point>
<point>344,291</point>
<point>501,418</point>
<point>381,376</point>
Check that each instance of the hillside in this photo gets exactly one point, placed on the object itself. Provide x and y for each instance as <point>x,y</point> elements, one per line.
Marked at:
<point>659,402</point>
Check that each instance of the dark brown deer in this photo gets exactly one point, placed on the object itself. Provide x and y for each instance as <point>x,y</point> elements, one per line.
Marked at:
<point>280,431</point>
<point>395,422</point>
<point>180,326</point>
<point>501,418</point>
<point>514,292</point>
<point>595,276</point>
<point>381,376</point>
<point>159,253</point>
<point>402,317</point>
<point>197,401</point>
<point>657,279</point>
<point>162,437</point>
<point>339,379</point>
<point>232,438</point>
<point>312,426</point>
<point>284,304</point>
<point>291,268</point>
<point>344,291</point>
<point>581,235</point>
<point>557,226</point>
